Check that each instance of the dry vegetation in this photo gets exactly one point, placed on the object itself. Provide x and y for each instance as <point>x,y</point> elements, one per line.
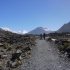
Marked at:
<point>14,48</point>
<point>62,40</point>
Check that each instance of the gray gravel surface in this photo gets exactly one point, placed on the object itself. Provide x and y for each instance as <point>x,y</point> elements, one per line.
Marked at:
<point>45,56</point>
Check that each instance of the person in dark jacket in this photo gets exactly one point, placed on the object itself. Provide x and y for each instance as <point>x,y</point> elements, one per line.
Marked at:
<point>44,36</point>
<point>40,36</point>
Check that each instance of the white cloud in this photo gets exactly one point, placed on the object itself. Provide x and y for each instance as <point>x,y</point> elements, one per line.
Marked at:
<point>18,32</point>
<point>24,32</point>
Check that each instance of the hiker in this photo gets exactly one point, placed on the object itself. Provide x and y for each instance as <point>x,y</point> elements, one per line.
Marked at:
<point>44,36</point>
<point>40,36</point>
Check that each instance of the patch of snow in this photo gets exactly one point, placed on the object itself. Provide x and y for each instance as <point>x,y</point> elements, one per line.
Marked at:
<point>6,29</point>
<point>18,32</point>
<point>24,32</point>
<point>46,29</point>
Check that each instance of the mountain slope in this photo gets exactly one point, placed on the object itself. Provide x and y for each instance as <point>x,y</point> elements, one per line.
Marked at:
<point>64,28</point>
<point>40,30</point>
<point>18,32</point>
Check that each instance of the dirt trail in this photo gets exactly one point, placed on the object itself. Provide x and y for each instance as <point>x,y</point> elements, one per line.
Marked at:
<point>45,57</point>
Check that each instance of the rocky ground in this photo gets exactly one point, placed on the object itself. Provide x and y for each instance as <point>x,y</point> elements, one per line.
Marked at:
<point>35,55</point>
<point>14,48</point>
<point>45,56</point>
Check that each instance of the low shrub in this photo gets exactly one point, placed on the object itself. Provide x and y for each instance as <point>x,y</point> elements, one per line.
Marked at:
<point>65,46</point>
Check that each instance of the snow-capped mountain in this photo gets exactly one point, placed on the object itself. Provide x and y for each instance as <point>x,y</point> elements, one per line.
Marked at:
<point>40,30</point>
<point>18,32</point>
<point>46,29</point>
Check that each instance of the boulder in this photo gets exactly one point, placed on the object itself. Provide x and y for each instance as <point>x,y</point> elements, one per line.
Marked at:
<point>15,56</point>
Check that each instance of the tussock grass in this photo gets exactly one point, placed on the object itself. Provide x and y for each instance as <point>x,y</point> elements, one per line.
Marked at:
<point>63,47</point>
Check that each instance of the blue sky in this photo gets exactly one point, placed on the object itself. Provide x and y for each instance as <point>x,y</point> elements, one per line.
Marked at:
<point>29,14</point>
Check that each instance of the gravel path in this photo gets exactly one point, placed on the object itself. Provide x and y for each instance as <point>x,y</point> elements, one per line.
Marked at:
<point>45,57</point>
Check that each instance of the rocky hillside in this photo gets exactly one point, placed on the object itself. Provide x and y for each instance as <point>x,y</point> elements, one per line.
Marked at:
<point>64,28</point>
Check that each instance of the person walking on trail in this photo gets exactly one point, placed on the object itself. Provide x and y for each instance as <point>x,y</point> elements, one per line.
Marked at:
<point>40,36</point>
<point>44,36</point>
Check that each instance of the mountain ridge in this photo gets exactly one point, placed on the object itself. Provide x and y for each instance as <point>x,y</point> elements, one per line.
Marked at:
<point>64,28</point>
<point>40,30</point>
<point>18,32</point>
